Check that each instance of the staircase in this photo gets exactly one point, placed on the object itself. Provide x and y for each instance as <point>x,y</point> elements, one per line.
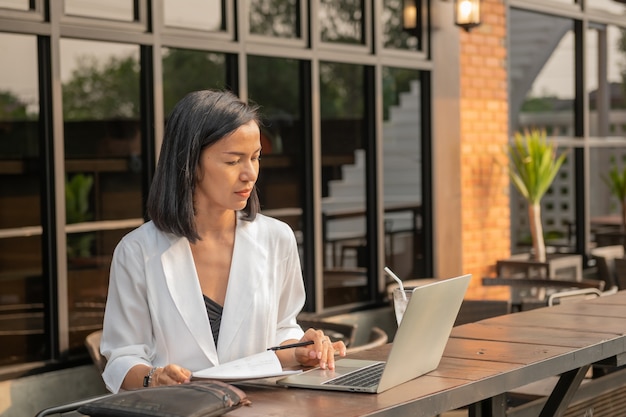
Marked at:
<point>401,159</point>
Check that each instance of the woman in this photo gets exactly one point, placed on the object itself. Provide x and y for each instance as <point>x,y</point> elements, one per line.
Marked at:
<point>208,279</point>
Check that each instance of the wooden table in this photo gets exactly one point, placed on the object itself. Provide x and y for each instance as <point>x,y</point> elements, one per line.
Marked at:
<point>611,220</point>
<point>482,361</point>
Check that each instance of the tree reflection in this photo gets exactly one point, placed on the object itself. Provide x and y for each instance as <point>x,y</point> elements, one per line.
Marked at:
<point>11,107</point>
<point>186,70</point>
<point>275,18</point>
<point>102,90</point>
<point>341,21</point>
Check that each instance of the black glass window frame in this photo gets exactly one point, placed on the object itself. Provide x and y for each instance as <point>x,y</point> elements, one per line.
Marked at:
<point>68,12</point>
<point>580,142</point>
<point>230,31</point>
<point>35,11</point>
<point>421,34</point>
<point>139,24</point>
<point>366,33</point>
<point>300,25</point>
<point>138,33</point>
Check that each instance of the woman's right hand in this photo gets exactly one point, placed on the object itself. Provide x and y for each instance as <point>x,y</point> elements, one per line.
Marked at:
<point>322,352</point>
<point>170,375</point>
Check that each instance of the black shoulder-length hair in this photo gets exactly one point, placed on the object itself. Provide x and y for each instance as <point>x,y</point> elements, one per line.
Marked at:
<point>199,120</point>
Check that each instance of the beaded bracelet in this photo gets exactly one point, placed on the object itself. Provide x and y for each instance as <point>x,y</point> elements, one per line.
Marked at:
<point>147,380</point>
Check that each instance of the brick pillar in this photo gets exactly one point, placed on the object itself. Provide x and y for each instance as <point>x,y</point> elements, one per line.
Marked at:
<point>484,135</point>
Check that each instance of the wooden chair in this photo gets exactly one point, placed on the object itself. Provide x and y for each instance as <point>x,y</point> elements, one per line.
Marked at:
<point>378,337</point>
<point>382,317</point>
<point>610,238</point>
<point>566,267</point>
<point>69,409</point>
<point>344,286</point>
<point>570,296</point>
<point>549,286</point>
<point>553,283</point>
<point>557,266</point>
<point>92,343</point>
<point>605,262</point>
<point>620,273</point>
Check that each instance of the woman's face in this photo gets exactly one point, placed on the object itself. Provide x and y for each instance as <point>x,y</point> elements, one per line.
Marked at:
<point>228,171</point>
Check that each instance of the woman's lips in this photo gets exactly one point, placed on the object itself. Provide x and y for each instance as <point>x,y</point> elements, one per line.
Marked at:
<point>244,193</point>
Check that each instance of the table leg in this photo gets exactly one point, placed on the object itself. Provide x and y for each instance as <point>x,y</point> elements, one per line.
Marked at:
<point>563,392</point>
<point>491,407</point>
<point>555,406</point>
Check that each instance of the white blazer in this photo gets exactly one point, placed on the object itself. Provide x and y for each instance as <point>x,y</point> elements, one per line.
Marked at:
<point>155,312</point>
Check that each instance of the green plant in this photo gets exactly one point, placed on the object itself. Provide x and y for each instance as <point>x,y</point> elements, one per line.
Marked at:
<point>616,181</point>
<point>77,189</point>
<point>534,164</point>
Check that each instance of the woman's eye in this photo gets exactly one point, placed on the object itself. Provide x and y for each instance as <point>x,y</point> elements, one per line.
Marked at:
<point>232,162</point>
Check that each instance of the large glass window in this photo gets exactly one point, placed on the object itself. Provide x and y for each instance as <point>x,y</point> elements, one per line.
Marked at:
<point>275,18</point>
<point>545,98</point>
<point>186,70</point>
<point>342,21</point>
<point>606,52</point>
<point>394,37</point>
<point>194,14</point>
<point>15,4</point>
<point>103,168</point>
<point>78,133</point>
<point>606,48</point>
<point>102,9</point>
<point>402,170</point>
<point>605,208</point>
<point>542,93</point>
<point>281,180</point>
<point>542,72</point>
<point>612,6</point>
<point>343,183</point>
<point>21,283</point>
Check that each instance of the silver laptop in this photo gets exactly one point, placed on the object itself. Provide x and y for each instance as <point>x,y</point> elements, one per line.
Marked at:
<point>417,346</point>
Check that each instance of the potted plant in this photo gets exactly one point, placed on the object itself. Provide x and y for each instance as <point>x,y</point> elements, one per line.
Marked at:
<point>616,181</point>
<point>534,164</point>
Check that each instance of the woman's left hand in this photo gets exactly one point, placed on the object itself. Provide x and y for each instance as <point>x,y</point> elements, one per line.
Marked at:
<point>322,352</point>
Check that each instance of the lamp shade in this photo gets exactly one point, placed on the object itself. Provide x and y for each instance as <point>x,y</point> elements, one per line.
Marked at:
<point>411,16</point>
<point>467,13</point>
<point>412,19</point>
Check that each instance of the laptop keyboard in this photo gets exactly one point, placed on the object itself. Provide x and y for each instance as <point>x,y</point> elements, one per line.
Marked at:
<point>364,377</point>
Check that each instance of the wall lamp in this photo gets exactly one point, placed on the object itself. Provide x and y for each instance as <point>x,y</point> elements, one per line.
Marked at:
<point>467,13</point>
<point>412,18</point>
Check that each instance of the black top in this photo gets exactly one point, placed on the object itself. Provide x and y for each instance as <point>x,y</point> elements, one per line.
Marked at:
<point>214,310</point>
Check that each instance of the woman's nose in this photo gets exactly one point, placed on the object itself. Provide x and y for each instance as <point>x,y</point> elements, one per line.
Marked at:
<point>250,171</point>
